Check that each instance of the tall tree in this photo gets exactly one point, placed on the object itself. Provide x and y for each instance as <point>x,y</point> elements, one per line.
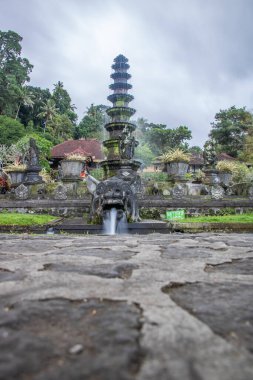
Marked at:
<point>161,139</point>
<point>144,153</point>
<point>230,128</point>
<point>91,125</point>
<point>63,102</point>
<point>60,128</point>
<point>247,151</point>
<point>28,114</point>
<point>26,99</point>
<point>195,149</point>
<point>14,72</point>
<point>48,112</point>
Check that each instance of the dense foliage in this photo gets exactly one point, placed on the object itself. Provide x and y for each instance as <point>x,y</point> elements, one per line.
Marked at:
<point>11,130</point>
<point>230,129</point>
<point>92,124</point>
<point>14,73</point>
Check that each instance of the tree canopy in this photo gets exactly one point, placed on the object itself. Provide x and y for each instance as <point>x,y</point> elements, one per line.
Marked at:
<point>14,72</point>
<point>230,129</point>
<point>91,125</point>
<point>161,139</point>
<point>10,130</point>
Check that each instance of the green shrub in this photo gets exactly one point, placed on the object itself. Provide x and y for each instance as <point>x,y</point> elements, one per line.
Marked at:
<point>97,173</point>
<point>155,176</point>
<point>176,155</point>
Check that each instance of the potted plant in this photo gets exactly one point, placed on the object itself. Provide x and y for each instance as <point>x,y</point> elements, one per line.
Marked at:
<point>177,163</point>
<point>72,165</point>
<point>226,169</point>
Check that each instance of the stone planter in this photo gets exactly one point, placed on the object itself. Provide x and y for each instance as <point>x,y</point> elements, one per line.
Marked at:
<point>225,178</point>
<point>71,169</point>
<point>177,170</point>
<point>211,177</point>
<point>17,177</point>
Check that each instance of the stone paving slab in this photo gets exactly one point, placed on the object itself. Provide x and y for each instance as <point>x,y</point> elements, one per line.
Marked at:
<point>128,307</point>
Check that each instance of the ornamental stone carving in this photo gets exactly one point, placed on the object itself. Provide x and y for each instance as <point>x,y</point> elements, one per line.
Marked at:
<point>60,192</point>
<point>21,192</point>
<point>217,192</point>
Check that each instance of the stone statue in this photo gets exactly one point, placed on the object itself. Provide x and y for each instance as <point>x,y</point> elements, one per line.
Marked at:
<point>127,145</point>
<point>33,154</point>
<point>33,166</point>
<point>210,156</point>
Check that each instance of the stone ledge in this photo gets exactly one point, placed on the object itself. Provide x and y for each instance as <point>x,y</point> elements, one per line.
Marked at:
<point>217,227</point>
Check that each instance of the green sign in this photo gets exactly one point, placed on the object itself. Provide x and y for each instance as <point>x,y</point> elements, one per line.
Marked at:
<point>177,214</point>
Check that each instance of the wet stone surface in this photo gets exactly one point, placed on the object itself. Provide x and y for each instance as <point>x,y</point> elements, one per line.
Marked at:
<point>236,266</point>
<point>59,339</point>
<point>8,275</point>
<point>226,308</point>
<point>177,253</point>
<point>102,270</point>
<point>128,307</point>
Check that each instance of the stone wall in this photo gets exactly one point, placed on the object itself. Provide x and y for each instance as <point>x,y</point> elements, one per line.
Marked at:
<point>150,207</point>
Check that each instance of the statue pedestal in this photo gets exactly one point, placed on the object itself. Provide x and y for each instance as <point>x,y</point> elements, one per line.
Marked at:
<point>111,167</point>
<point>32,175</point>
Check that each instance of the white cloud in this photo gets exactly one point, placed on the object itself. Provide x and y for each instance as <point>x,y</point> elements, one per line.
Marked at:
<point>188,58</point>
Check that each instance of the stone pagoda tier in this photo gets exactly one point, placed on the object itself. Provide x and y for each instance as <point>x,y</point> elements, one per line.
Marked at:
<point>121,143</point>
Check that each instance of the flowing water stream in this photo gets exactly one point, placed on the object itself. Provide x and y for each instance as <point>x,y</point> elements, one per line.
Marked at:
<point>114,222</point>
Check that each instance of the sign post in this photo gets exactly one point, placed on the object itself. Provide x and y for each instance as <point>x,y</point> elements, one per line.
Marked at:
<point>177,214</point>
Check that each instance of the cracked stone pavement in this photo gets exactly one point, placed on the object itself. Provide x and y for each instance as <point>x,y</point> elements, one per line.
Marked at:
<point>176,306</point>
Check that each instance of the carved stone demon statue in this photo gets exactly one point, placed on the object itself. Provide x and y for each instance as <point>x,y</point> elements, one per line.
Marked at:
<point>118,192</point>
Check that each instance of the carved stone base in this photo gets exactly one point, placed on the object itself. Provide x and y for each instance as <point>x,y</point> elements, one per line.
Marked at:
<point>111,167</point>
<point>32,175</point>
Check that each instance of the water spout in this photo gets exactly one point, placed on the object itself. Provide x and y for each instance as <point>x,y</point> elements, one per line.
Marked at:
<point>109,223</point>
<point>114,222</point>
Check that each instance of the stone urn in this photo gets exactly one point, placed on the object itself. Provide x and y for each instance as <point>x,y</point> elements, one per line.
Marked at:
<point>177,170</point>
<point>71,169</point>
<point>225,178</point>
<point>211,177</point>
<point>16,177</point>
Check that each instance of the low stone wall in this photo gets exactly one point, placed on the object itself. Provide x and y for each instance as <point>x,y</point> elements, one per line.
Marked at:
<point>150,207</point>
<point>196,205</point>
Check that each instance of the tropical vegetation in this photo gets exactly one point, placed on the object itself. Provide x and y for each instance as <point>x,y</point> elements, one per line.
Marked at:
<point>50,117</point>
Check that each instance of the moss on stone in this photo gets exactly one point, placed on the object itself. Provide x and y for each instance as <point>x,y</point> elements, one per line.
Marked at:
<point>50,187</point>
<point>82,190</point>
<point>150,213</point>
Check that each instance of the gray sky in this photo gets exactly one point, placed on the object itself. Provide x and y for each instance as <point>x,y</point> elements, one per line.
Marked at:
<point>188,58</point>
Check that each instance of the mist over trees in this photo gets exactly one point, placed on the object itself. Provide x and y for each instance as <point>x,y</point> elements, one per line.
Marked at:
<point>51,116</point>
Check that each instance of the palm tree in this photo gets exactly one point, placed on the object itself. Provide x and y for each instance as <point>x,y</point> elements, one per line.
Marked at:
<point>25,98</point>
<point>49,110</point>
<point>59,84</point>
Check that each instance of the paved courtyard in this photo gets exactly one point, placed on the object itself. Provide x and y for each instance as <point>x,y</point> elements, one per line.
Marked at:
<point>153,307</point>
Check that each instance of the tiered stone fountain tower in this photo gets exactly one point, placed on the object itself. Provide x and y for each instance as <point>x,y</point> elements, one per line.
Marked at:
<point>118,191</point>
<point>121,142</point>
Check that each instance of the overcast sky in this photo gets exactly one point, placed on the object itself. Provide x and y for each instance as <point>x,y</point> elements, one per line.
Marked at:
<point>188,58</point>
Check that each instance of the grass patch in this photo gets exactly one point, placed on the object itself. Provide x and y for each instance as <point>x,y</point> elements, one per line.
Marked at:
<point>240,218</point>
<point>16,219</point>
